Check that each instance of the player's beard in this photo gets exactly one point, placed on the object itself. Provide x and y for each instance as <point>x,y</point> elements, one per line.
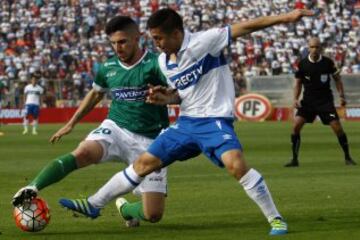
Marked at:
<point>315,56</point>
<point>130,58</point>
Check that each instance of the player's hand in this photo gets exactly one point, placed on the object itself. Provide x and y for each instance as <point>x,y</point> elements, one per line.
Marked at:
<point>297,14</point>
<point>158,95</point>
<point>342,101</point>
<point>296,104</point>
<point>61,132</point>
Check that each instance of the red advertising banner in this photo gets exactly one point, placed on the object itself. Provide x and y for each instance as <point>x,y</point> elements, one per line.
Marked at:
<point>281,114</point>
<point>61,115</point>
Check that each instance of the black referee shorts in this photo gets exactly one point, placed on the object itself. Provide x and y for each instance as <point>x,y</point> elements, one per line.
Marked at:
<point>326,113</point>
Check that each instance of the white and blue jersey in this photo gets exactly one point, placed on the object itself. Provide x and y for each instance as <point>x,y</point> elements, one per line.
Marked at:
<point>201,74</point>
<point>32,103</point>
<point>204,82</point>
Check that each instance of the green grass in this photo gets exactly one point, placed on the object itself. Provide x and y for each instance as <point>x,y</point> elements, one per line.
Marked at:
<point>320,200</point>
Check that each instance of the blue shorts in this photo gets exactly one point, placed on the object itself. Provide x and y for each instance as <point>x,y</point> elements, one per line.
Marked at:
<point>191,136</point>
<point>32,109</point>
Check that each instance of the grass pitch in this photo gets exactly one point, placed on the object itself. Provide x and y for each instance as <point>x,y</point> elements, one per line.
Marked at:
<point>320,199</point>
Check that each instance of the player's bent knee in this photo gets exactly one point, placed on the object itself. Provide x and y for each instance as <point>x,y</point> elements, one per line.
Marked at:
<point>153,217</point>
<point>86,155</point>
<point>235,163</point>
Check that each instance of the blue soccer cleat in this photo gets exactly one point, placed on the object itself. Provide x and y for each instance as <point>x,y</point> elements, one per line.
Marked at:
<point>81,206</point>
<point>278,227</point>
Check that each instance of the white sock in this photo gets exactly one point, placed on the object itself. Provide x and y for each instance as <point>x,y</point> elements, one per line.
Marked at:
<point>120,184</point>
<point>255,187</point>
<point>35,124</point>
<point>26,123</point>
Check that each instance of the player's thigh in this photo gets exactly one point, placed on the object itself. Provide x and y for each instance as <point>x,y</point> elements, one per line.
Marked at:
<point>27,111</point>
<point>88,152</point>
<point>219,140</point>
<point>329,115</point>
<point>118,143</point>
<point>306,113</point>
<point>35,111</point>
<point>173,144</point>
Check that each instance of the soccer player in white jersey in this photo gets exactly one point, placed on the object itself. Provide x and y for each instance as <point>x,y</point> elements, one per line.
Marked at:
<point>32,95</point>
<point>130,127</point>
<point>195,66</point>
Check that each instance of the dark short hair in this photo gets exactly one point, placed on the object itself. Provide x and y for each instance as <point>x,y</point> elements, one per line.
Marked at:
<point>167,20</point>
<point>36,75</point>
<point>120,23</point>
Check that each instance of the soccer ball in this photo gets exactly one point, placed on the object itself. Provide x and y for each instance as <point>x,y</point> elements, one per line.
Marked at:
<point>32,216</point>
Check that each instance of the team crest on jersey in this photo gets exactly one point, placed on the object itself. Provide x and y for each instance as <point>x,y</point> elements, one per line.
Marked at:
<point>111,74</point>
<point>324,78</point>
<point>129,93</point>
<point>109,64</point>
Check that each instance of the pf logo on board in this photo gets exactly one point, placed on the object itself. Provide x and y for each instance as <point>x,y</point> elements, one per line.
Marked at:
<point>252,107</point>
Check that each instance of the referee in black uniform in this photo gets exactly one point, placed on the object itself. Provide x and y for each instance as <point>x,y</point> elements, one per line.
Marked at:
<point>315,72</point>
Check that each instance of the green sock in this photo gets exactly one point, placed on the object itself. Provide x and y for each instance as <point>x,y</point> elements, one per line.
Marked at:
<point>133,210</point>
<point>55,171</point>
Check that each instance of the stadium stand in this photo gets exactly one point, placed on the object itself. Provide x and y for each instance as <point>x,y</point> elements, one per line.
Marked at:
<point>65,39</point>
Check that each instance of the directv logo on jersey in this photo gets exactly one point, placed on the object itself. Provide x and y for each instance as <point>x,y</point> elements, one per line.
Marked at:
<point>192,74</point>
<point>189,77</point>
<point>129,94</point>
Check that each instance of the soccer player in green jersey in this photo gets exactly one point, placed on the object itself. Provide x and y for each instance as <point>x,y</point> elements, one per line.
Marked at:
<point>130,127</point>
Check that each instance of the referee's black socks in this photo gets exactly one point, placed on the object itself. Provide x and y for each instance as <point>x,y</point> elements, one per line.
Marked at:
<point>344,145</point>
<point>295,140</point>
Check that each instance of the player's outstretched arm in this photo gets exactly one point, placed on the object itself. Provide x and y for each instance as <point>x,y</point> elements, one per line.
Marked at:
<point>86,105</point>
<point>160,95</point>
<point>245,27</point>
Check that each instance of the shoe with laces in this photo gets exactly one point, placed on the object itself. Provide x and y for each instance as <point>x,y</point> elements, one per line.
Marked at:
<point>81,206</point>
<point>25,194</point>
<point>278,227</point>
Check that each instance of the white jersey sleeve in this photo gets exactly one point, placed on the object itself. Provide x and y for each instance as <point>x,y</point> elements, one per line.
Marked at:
<point>216,39</point>
<point>201,74</point>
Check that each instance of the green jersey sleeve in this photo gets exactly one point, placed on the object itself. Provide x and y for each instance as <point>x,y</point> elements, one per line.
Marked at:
<point>100,79</point>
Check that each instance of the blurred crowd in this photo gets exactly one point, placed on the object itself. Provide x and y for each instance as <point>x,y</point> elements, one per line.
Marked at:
<point>66,42</point>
